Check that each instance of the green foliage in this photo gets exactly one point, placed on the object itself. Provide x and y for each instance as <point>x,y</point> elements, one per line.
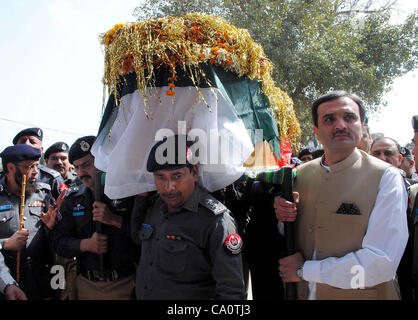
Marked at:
<point>316,45</point>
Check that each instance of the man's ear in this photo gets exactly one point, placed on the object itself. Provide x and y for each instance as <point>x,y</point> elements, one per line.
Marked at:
<point>11,167</point>
<point>315,129</point>
<point>195,172</point>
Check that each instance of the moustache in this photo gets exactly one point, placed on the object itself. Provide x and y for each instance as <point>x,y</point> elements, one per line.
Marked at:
<point>171,194</point>
<point>338,131</point>
<point>59,167</point>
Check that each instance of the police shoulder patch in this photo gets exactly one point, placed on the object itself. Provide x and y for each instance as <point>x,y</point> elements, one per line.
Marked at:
<point>213,205</point>
<point>233,243</point>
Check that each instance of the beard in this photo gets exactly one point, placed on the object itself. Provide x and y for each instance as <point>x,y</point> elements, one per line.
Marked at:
<point>31,187</point>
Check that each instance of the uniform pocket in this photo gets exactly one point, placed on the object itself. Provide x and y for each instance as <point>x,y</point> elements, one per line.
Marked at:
<point>35,216</point>
<point>6,223</point>
<point>172,256</point>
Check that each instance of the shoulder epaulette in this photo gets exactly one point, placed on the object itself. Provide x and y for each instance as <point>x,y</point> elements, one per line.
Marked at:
<point>213,205</point>
<point>76,190</point>
<point>43,185</point>
<point>50,171</point>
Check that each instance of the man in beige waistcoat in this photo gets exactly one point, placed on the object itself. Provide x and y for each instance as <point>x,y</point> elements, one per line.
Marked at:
<point>349,210</point>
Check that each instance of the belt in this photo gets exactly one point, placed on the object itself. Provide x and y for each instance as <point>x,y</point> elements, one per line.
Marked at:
<point>107,275</point>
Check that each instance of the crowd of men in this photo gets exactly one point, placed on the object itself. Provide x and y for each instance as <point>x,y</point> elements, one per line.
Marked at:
<point>354,208</point>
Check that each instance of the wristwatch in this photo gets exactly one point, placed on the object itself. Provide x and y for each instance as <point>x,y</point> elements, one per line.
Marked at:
<point>299,272</point>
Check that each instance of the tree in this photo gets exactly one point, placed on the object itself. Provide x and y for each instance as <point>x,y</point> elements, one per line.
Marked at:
<point>317,45</point>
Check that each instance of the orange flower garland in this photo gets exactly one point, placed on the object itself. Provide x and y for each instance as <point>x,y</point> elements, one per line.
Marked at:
<point>186,42</point>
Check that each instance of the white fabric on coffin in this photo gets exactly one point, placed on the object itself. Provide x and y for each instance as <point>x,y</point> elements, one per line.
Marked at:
<point>123,153</point>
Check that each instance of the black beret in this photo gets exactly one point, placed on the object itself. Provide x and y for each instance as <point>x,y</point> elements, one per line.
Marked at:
<point>305,152</point>
<point>405,152</point>
<point>20,152</point>
<point>80,148</point>
<point>36,132</point>
<point>318,153</point>
<point>56,147</point>
<point>168,154</point>
<point>415,123</point>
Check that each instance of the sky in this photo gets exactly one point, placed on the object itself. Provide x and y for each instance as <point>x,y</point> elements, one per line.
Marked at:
<point>52,63</point>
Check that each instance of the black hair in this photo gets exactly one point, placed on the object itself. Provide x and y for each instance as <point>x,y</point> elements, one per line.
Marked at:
<point>335,95</point>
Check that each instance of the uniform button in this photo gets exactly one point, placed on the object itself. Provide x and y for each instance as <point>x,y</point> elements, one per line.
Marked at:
<point>24,218</point>
<point>4,219</point>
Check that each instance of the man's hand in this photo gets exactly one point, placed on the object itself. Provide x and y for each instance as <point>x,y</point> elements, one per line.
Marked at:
<point>17,241</point>
<point>289,265</point>
<point>101,213</point>
<point>50,218</point>
<point>61,198</point>
<point>12,292</point>
<point>96,244</point>
<point>286,210</point>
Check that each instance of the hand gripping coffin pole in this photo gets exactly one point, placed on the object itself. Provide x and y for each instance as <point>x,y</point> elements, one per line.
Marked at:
<point>289,228</point>
<point>282,177</point>
<point>99,177</point>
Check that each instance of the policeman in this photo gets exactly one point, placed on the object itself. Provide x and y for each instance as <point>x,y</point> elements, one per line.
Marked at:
<point>76,234</point>
<point>190,246</point>
<point>408,163</point>
<point>33,239</point>
<point>33,137</point>
<point>305,155</point>
<point>56,157</point>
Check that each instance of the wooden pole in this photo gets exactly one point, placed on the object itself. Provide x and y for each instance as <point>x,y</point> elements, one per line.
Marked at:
<point>22,208</point>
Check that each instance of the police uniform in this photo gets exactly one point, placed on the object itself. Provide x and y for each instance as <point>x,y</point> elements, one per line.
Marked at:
<point>116,281</point>
<point>36,258</point>
<point>45,175</point>
<point>191,252</point>
<point>52,178</point>
<point>72,180</point>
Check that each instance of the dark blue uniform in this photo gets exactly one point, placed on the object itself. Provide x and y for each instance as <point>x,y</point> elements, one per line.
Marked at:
<point>51,177</point>
<point>76,224</point>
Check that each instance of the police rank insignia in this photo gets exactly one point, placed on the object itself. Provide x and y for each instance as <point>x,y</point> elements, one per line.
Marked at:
<point>36,204</point>
<point>233,243</point>
<point>214,205</point>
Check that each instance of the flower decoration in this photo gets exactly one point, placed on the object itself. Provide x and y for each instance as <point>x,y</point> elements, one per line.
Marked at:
<point>186,42</point>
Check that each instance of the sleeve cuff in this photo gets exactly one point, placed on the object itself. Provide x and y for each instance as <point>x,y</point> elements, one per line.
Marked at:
<point>312,271</point>
<point>5,280</point>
